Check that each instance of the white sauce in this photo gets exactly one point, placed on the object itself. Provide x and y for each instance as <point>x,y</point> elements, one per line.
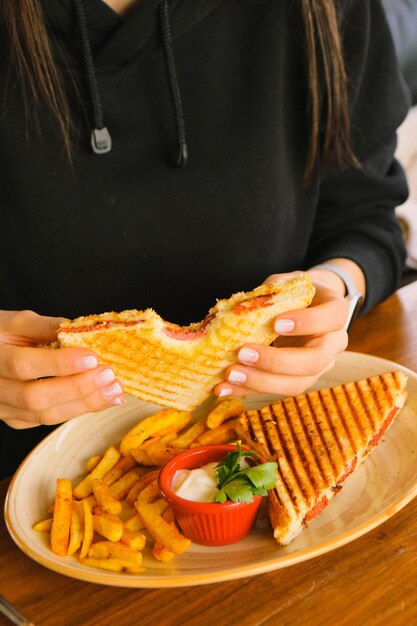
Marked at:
<point>198,485</point>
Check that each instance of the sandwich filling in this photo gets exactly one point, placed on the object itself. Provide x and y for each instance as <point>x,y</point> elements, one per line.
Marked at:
<point>101,325</point>
<point>189,333</point>
<point>321,505</point>
<point>251,304</point>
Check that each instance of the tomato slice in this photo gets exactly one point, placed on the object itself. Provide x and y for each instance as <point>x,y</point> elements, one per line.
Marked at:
<point>315,510</point>
<point>258,302</point>
<point>103,325</point>
<point>182,334</point>
<point>376,438</point>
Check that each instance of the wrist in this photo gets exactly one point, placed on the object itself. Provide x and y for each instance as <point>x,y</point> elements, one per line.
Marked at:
<point>347,284</point>
<point>328,278</point>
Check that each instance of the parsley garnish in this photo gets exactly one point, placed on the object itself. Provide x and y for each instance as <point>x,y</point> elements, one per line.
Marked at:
<point>240,485</point>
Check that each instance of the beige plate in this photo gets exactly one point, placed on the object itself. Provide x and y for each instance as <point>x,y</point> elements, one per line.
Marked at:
<point>380,487</point>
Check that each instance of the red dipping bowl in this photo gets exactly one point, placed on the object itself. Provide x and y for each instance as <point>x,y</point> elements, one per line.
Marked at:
<point>207,523</point>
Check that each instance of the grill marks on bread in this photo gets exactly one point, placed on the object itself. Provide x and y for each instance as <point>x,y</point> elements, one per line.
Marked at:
<point>179,368</point>
<point>318,437</point>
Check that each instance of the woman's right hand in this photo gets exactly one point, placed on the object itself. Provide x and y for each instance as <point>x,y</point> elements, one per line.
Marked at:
<point>40,385</point>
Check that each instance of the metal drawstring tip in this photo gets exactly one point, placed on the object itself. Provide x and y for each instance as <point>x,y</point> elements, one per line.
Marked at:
<point>100,140</point>
<point>182,156</point>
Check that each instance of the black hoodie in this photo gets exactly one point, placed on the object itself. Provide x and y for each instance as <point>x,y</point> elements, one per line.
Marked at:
<point>128,229</point>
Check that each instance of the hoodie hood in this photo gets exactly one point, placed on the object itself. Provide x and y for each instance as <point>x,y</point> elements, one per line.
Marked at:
<point>89,31</point>
<point>115,39</point>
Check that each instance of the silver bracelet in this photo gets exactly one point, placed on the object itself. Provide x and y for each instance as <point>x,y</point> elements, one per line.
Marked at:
<point>353,296</point>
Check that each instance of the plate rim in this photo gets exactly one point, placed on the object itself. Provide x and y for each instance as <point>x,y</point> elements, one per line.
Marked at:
<point>233,573</point>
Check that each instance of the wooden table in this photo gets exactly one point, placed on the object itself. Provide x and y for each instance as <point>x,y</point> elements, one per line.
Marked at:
<point>371,581</point>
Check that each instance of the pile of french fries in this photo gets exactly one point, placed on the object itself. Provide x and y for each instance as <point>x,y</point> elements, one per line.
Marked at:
<point>109,517</point>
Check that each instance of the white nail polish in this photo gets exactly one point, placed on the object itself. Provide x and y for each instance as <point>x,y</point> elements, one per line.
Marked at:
<point>113,390</point>
<point>225,392</point>
<point>236,376</point>
<point>104,377</point>
<point>284,326</point>
<point>87,363</point>
<point>247,355</point>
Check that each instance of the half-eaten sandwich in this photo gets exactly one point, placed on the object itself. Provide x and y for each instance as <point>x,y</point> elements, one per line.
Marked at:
<point>178,366</point>
<point>317,439</point>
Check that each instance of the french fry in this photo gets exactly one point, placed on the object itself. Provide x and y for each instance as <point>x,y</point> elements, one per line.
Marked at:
<point>133,540</point>
<point>141,454</point>
<point>90,501</point>
<point>169,436</point>
<point>160,453</point>
<point>143,481</point>
<point>159,551</point>
<point>222,434</point>
<point>61,520</point>
<point>123,465</point>
<point>108,526</point>
<point>109,460</point>
<point>104,497</point>
<point>188,436</point>
<point>162,532</point>
<point>156,453</point>
<point>44,525</point>
<point>88,530</point>
<point>161,423</point>
<point>224,411</point>
<point>92,462</point>
<point>113,565</point>
<point>77,527</point>
<point>110,550</point>
<point>121,487</point>
<point>136,523</point>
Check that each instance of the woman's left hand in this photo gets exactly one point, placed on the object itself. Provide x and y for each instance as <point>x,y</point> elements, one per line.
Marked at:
<point>309,341</point>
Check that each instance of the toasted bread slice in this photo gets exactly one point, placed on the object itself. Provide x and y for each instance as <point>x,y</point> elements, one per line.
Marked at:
<point>318,438</point>
<point>178,366</point>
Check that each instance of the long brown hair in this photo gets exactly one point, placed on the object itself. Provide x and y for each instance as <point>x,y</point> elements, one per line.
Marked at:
<point>34,59</point>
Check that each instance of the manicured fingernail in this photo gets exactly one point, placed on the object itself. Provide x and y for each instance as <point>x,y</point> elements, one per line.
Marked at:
<point>104,377</point>
<point>113,390</point>
<point>87,363</point>
<point>236,376</point>
<point>226,391</point>
<point>284,326</point>
<point>247,355</point>
<point>116,401</point>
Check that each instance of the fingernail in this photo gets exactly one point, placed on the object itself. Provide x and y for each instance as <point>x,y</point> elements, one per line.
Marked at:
<point>236,376</point>
<point>116,401</point>
<point>113,390</point>
<point>226,391</point>
<point>87,362</point>
<point>247,355</point>
<point>284,326</point>
<point>104,377</point>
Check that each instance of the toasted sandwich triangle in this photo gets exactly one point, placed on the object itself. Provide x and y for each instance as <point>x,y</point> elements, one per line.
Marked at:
<point>177,366</point>
<point>318,439</point>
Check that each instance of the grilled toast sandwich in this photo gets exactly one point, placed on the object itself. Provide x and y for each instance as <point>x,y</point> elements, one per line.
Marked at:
<point>178,366</point>
<point>318,438</point>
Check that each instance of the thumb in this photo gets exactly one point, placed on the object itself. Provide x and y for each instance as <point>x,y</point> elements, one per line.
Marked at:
<point>28,328</point>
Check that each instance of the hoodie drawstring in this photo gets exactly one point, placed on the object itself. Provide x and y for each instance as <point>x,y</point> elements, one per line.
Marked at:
<point>101,141</point>
<point>100,136</point>
<point>182,154</point>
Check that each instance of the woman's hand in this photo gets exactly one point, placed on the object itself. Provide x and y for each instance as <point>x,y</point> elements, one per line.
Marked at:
<point>45,386</point>
<point>307,346</point>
